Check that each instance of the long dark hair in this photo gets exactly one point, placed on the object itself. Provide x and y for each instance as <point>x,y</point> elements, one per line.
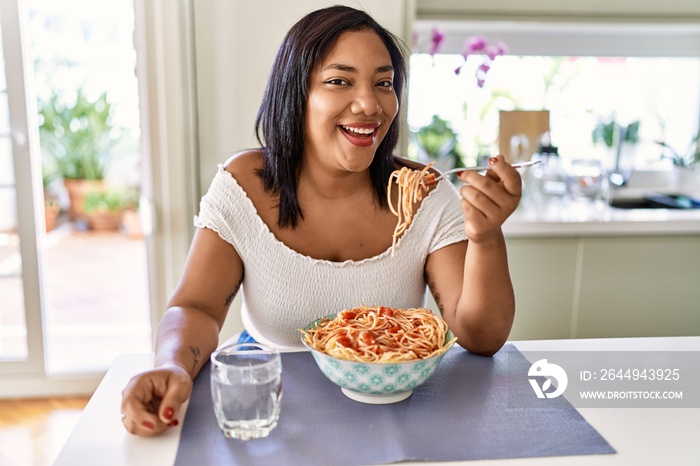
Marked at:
<point>279,125</point>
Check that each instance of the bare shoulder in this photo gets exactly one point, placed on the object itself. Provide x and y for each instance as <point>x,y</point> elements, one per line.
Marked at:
<point>244,164</point>
<point>244,167</point>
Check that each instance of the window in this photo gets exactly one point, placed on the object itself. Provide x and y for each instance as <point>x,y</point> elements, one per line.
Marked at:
<point>593,79</point>
<point>95,270</point>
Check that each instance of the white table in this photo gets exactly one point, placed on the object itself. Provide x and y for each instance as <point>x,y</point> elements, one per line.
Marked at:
<point>636,433</point>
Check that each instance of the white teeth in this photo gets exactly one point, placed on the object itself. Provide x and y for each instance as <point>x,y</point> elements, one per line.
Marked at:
<point>359,130</point>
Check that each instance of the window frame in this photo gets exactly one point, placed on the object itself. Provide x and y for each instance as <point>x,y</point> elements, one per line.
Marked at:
<point>574,38</point>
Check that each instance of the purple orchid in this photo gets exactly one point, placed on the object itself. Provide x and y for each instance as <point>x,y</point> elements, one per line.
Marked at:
<point>478,45</point>
<point>494,50</point>
<point>473,45</point>
<point>437,39</point>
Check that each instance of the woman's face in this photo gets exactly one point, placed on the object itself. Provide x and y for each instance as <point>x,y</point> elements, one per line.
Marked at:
<point>351,103</point>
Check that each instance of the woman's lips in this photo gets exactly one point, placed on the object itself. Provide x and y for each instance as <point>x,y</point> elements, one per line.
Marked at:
<point>361,136</point>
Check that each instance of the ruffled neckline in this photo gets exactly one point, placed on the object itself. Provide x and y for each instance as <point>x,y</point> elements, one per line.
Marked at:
<point>387,253</point>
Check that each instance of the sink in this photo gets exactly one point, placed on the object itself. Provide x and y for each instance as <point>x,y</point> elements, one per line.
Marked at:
<point>656,201</point>
<point>663,189</point>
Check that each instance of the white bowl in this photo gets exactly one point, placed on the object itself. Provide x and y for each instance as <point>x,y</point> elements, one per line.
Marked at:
<point>375,383</point>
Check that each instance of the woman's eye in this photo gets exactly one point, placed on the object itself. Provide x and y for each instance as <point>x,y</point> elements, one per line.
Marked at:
<point>336,82</point>
<point>386,84</point>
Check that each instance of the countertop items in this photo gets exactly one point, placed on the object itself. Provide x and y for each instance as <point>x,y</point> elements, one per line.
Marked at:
<point>569,217</point>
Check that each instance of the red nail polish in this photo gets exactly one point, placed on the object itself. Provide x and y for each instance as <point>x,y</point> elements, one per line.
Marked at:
<point>174,423</point>
<point>169,413</point>
<point>460,173</point>
<point>148,425</point>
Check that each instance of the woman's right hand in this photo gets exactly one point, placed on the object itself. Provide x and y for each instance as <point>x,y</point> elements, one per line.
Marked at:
<point>152,399</point>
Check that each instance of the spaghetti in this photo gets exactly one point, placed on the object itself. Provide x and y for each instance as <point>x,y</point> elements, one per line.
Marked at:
<point>411,186</point>
<point>380,335</point>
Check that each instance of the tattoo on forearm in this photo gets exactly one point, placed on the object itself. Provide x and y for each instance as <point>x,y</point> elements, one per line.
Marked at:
<point>230,297</point>
<point>433,290</point>
<point>196,353</point>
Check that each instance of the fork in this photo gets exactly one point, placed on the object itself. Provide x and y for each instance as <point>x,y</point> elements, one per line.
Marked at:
<point>482,168</point>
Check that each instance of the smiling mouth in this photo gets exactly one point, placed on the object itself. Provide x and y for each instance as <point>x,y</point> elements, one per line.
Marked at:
<point>359,132</point>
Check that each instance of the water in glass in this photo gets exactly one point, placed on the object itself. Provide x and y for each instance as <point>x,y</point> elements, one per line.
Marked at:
<point>246,387</point>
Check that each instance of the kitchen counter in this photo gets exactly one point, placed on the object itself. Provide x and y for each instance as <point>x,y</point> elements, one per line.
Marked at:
<point>582,219</point>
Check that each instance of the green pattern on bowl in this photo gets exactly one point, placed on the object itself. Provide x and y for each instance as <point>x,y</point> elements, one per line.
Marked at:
<point>375,378</point>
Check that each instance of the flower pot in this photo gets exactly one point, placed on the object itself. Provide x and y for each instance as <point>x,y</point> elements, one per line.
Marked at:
<point>104,221</point>
<point>76,192</point>
<point>51,211</point>
<point>131,224</point>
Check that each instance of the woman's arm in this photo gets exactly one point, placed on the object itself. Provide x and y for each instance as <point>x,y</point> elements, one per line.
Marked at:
<point>470,281</point>
<point>189,330</point>
<point>187,335</point>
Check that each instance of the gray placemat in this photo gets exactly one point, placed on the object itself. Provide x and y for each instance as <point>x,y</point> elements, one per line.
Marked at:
<point>461,413</point>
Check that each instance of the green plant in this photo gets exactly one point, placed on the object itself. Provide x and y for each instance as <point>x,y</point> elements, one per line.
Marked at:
<point>48,175</point>
<point>106,201</point>
<point>78,134</point>
<point>605,132</point>
<point>438,141</point>
<point>131,199</point>
<point>691,157</point>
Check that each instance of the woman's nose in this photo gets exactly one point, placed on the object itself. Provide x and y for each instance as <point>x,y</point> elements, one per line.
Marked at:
<point>366,103</point>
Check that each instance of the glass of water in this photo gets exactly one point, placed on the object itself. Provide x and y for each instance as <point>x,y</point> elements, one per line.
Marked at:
<point>588,181</point>
<point>246,388</point>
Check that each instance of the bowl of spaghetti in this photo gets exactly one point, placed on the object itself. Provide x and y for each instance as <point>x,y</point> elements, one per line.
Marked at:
<point>376,354</point>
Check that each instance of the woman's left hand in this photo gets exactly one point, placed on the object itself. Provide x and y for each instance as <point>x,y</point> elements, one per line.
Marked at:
<point>488,200</point>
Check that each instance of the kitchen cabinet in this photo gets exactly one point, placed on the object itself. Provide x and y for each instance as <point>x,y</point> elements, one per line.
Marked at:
<point>605,286</point>
<point>640,286</point>
<point>543,271</point>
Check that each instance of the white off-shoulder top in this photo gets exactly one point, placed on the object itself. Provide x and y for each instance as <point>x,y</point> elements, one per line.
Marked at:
<point>284,290</point>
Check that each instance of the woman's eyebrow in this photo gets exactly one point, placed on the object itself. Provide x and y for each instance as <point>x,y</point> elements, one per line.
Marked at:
<point>340,67</point>
<point>352,69</point>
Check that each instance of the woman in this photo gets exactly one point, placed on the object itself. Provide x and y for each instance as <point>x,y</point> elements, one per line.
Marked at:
<point>303,224</point>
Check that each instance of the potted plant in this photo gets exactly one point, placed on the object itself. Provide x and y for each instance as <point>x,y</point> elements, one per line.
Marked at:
<point>131,222</point>
<point>103,208</point>
<point>52,205</point>
<point>611,133</point>
<point>52,209</point>
<point>621,140</point>
<point>437,142</point>
<point>79,135</point>
<point>688,159</point>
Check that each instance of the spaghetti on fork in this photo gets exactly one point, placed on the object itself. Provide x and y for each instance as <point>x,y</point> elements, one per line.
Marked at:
<point>412,184</point>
